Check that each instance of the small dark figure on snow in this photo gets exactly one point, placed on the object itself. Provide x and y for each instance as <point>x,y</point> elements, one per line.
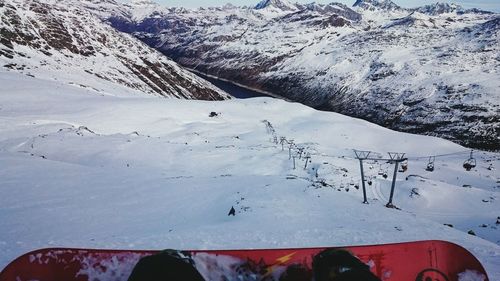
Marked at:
<point>232,212</point>
<point>340,265</point>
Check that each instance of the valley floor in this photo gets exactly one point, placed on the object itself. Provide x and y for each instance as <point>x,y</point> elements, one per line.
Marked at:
<point>82,168</point>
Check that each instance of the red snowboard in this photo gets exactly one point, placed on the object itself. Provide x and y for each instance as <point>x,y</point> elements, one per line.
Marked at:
<point>412,261</point>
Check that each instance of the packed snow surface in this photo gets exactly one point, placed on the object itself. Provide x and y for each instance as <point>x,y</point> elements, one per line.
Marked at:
<point>93,169</point>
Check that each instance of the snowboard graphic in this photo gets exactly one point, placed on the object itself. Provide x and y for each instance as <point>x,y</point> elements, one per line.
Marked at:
<point>411,261</point>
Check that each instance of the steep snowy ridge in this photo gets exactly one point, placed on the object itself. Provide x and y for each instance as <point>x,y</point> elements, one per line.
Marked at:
<point>332,9</point>
<point>440,8</point>
<point>60,40</point>
<point>415,20</point>
<point>492,26</point>
<point>282,5</point>
<point>427,70</point>
<point>143,8</point>
<point>446,8</point>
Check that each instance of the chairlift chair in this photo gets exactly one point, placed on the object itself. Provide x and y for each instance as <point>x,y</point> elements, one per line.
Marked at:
<point>430,165</point>
<point>404,167</point>
<point>470,163</point>
<point>351,182</point>
<point>382,172</point>
<point>370,180</point>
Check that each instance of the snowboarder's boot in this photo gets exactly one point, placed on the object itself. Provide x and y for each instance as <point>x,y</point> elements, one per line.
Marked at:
<point>168,265</point>
<point>296,272</point>
<point>340,265</point>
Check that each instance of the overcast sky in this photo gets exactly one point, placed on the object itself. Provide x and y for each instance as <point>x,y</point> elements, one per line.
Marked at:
<point>491,5</point>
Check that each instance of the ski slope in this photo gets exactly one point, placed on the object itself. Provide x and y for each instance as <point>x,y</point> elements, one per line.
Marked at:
<point>82,168</point>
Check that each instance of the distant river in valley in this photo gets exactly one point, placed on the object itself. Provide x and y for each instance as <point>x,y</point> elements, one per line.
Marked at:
<point>233,89</point>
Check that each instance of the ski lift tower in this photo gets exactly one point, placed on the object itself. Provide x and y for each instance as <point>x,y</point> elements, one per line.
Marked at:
<point>362,155</point>
<point>394,158</point>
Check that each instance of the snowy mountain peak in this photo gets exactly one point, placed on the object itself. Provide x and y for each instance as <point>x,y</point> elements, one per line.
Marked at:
<point>373,5</point>
<point>332,9</point>
<point>100,2</point>
<point>140,9</point>
<point>313,6</point>
<point>440,8</point>
<point>283,5</point>
<point>229,6</point>
<point>143,2</point>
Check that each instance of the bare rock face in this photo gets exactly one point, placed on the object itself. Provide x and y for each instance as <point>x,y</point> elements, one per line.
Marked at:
<point>61,40</point>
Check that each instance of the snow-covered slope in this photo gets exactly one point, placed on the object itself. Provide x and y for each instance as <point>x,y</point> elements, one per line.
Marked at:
<point>62,41</point>
<point>430,70</point>
<point>116,171</point>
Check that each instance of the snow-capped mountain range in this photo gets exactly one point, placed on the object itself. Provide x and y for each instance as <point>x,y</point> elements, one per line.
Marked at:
<point>62,40</point>
<point>432,70</point>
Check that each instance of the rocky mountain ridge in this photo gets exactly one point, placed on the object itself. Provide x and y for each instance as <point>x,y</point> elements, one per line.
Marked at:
<point>64,41</point>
